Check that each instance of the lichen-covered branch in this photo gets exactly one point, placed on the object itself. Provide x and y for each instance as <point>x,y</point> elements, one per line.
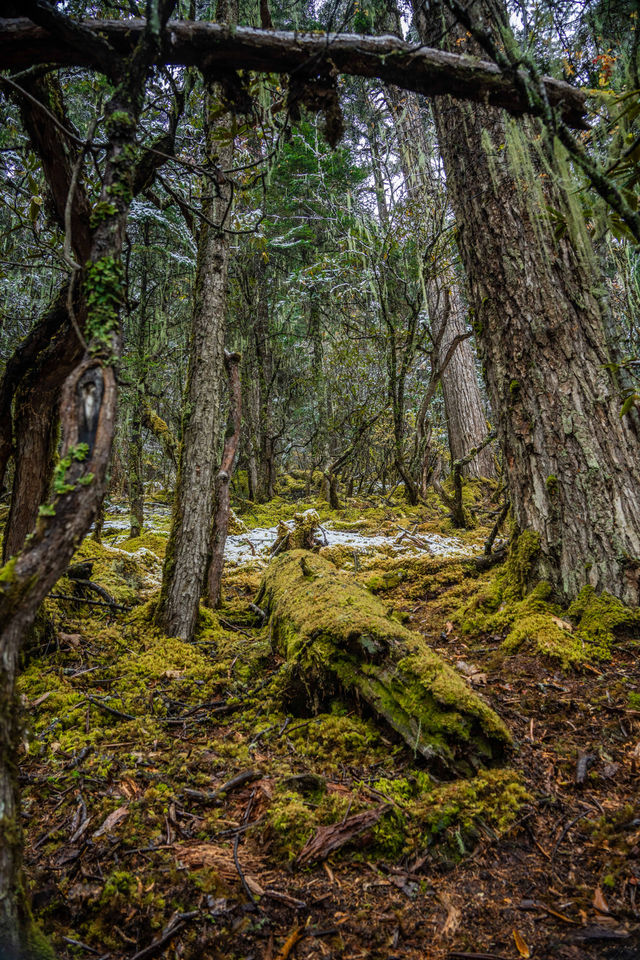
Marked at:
<point>218,48</point>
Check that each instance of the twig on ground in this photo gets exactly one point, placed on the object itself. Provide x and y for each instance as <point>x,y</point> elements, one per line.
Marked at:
<point>174,928</point>
<point>236,844</point>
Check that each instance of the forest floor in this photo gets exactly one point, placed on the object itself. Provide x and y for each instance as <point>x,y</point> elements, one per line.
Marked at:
<point>168,791</point>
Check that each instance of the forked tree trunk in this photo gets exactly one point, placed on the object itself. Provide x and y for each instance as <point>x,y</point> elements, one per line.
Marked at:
<point>188,547</point>
<point>571,460</point>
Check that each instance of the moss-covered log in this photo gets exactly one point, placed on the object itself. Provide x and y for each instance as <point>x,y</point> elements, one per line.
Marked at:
<point>339,639</point>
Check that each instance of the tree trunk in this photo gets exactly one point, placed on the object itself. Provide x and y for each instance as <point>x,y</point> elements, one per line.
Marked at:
<point>188,547</point>
<point>464,409</point>
<point>222,510</point>
<point>135,481</point>
<point>337,639</point>
<point>571,460</point>
<point>135,466</point>
<point>88,414</point>
<point>466,422</point>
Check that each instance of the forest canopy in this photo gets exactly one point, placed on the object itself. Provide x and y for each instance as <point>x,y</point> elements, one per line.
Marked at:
<point>278,279</point>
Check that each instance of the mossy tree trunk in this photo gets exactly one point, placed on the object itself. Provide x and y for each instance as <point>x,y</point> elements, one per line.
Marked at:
<point>52,349</point>
<point>571,460</point>
<point>188,548</point>
<point>338,641</point>
<point>88,409</point>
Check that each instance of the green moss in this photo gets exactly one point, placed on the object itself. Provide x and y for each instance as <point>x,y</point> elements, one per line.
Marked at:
<point>456,813</point>
<point>336,635</point>
<point>333,739</point>
<point>155,542</point>
<point>533,622</point>
<point>446,820</point>
<point>104,285</point>
<point>539,634</point>
<point>100,211</point>
<point>386,581</point>
<point>292,821</point>
<point>520,567</point>
<point>599,616</point>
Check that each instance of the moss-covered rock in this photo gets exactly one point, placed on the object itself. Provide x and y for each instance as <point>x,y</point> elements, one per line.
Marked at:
<point>337,637</point>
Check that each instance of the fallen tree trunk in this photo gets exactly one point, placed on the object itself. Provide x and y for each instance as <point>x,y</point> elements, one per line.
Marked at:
<point>223,49</point>
<point>339,640</point>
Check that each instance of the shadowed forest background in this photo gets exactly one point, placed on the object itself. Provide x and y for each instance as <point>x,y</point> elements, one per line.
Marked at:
<point>319,479</point>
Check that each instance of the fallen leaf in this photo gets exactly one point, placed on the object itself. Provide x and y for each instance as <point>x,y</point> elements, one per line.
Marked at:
<point>112,821</point>
<point>74,639</point>
<point>254,886</point>
<point>599,901</point>
<point>521,944</point>
<point>41,699</point>
<point>129,788</point>
<point>454,916</point>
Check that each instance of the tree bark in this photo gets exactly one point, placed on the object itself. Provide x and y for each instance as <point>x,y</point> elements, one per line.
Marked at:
<point>35,374</point>
<point>464,409</point>
<point>428,71</point>
<point>222,510</point>
<point>135,463</point>
<point>31,407</point>
<point>571,460</point>
<point>188,547</point>
<point>466,422</point>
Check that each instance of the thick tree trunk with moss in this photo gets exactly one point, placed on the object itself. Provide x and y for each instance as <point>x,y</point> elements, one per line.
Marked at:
<point>188,547</point>
<point>338,641</point>
<point>571,460</point>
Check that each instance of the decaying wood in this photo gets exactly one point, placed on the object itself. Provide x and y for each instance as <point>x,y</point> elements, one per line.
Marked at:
<point>337,641</point>
<point>219,49</point>
<point>336,835</point>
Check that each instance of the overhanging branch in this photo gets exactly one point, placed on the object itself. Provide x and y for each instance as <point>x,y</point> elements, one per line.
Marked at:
<point>218,49</point>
